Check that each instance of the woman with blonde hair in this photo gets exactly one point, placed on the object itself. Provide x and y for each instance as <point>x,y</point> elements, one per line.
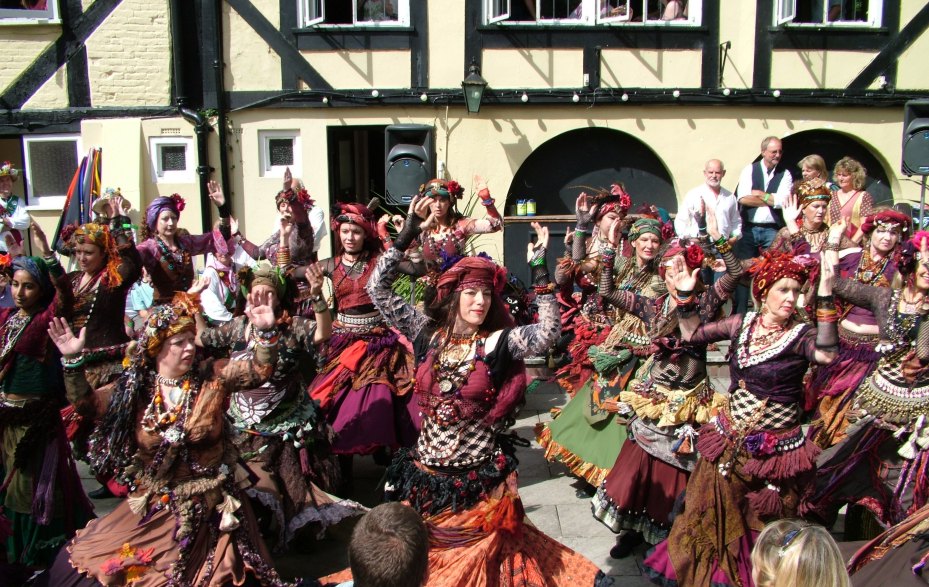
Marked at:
<point>797,554</point>
<point>851,201</point>
<point>813,168</point>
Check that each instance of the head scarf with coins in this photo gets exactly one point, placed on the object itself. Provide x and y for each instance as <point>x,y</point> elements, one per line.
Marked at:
<point>889,219</point>
<point>359,215</point>
<point>175,203</point>
<point>808,192</point>
<point>771,267</point>
<point>99,235</point>
<point>646,226</point>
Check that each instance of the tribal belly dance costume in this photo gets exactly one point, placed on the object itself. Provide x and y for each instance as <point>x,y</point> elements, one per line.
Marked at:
<point>186,522</point>
<point>461,477</point>
<point>40,491</point>
<point>283,438</point>
<point>666,403</point>
<point>584,436</point>
<point>897,557</point>
<point>883,461</point>
<point>755,463</point>
<point>834,385</point>
<point>364,387</point>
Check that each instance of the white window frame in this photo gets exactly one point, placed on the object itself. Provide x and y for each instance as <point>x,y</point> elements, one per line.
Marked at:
<point>789,10</point>
<point>319,19</point>
<point>491,12</point>
<point>590,15</point>
<point>264,153</point>
<point>20,16</point>
<point>188,175</point>
<point>48,201</point>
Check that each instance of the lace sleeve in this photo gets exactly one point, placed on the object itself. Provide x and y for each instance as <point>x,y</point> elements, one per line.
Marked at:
<point>641,306</point>
<point>865,296</point>
<point>537,339</point>
<point>224,335</point>
<point>395,310</point>
<point>922,341</point>
<point>714,298</point>
<point>725,329</point>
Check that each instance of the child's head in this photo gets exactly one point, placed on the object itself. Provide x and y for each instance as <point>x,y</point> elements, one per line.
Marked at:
<point>794,553</point>
<point>389,548</point>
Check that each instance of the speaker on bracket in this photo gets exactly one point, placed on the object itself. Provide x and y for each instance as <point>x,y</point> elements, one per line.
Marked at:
<point>410,160</point>
<point>916,138</point>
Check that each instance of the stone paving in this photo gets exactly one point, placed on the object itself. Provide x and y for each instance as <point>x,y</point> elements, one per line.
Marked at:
<point>547,491</point>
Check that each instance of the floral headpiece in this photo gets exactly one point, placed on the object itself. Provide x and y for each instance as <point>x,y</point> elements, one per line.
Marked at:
<point>164,322</point>
<point>478,271</point>
<point>6,262</point>
<point>774,266</point>
<point>99,235</point>
<point>439,188</point>
<point>7,170</point>
<point>890,219</point>
<point>616,200</point>
<point>301,196</point>
<point>641,226</point>
<point>693,254</point>
<point>907,255</point>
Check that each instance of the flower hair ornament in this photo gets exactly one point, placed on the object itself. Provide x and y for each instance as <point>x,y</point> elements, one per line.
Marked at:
<point>6,263</point>
<point>7,170</point>
<point>300,196</point>
<point>179,202</point>
<point>439,188</point>
<point>908,255</point>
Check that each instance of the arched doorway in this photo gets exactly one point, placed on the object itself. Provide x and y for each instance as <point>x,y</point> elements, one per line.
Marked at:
<point>596,157</point>
<point>832,146</point>
<point>587,158</point>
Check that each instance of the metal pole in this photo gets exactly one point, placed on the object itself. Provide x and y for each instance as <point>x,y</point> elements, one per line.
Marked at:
<point>922,203</point>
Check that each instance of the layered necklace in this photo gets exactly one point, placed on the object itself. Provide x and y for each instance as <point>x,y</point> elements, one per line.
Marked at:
<point>166,421</point>
<point>11,330</point>
<point>762,341</point>
<point>438,239</point>
<point>815,237</point>
<point>85,298</point>
<point>903,319</point>
<point>172,259</point>
<point>870,270</point>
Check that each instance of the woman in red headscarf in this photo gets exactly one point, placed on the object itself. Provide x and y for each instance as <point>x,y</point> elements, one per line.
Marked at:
<point>470,378</point>
<point>364,386</point>
<point>666,401</point>
<point>755,464</point>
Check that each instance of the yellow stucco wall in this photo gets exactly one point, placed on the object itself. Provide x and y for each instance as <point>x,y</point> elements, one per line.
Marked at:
<point>52,94</point>
<point>650,68</point>
<point>250,63</point>
<point>362,69</point>
<point>26,42</point>
<point>911,67</point>
<point>739,29</point>
<point>446,44</point>
<point>817,69</point>
<point>533,68</point>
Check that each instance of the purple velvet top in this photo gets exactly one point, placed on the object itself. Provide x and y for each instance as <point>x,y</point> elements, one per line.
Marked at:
<point>166,280</point>
<point>848,266</point>
<point>777,372</point>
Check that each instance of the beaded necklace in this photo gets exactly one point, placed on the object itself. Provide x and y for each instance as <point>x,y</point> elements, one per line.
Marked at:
<point>81,294</point>
<point>869,270</point>
<point>900,326</point>
<point>444,400</point>
<point>12,329</point>
<point>439,237</point>
<point>762,341</point>
<point>172,259</point>
<point>169,422</point>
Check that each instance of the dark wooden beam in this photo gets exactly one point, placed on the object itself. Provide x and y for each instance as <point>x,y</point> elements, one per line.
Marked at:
<point>885,62</point>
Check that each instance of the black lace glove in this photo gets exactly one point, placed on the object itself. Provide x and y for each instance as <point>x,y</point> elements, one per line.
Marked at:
<point>411,230</point>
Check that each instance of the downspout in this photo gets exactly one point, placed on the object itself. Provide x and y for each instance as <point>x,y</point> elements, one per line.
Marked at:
<point>201,126</point>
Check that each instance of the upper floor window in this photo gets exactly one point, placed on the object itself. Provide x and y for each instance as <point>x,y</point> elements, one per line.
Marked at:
<point>355,12</point>
<point>829,12</point>
<point>28,11</point>
<point>589,12</point>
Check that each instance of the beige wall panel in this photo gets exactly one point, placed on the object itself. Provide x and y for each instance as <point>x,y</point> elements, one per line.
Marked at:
<point>817,69</point>
<point>446,43</point>
<point>533,68</point>
<point>129,56</point>
<point>52,94</point>
<point>646,68</point>
<point>363,69</point>
<point>737,25</point>
<point>911,67</point>
<point>250,63</point>
<point>26,43</point>
<point>190,191</point>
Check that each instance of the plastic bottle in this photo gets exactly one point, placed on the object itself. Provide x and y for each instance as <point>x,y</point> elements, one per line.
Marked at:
<point>521,207</point>
<point>530,207</point>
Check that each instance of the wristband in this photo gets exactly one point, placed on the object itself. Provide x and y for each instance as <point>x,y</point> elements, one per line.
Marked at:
<point>72,363</point>
<point>488,202</point>
<point>320,306</point>
<point>544,289</point>
<point>537,262</point>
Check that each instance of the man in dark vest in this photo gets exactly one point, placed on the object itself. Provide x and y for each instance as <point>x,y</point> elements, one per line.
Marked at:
<point>763,188</point>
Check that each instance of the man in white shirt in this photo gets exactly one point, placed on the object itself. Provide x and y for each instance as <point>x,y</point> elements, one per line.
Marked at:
<point>689,220</point>
<point>763,188</point>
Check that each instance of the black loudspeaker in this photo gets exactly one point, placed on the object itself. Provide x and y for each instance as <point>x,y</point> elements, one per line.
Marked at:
<point>916,138</point>
<point>410,160</point>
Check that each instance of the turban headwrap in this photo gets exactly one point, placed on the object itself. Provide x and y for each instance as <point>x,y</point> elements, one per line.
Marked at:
<point>616,200</point>
<point>645,226</point>
<point>99,234</point>
<point>164,322</point>
<point>771,268</point>
<point>263,274</point>
<point>808,192</point>
<point>174,203</point>
<point>471,272</point>
<point>439,188</point>
<point>693,253</point>
<point>888,219</point>
<point>37,268</point>
<point>359,215</point>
